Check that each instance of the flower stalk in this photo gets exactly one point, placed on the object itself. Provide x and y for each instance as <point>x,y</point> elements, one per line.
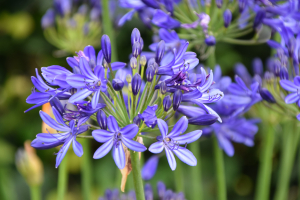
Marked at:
<point>137,176</point>
<point>62,183</point>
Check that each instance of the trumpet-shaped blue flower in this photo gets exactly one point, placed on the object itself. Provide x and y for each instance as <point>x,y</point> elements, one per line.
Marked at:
<point>114,139</point>
<point>171,142</point>
<point>66,137</point>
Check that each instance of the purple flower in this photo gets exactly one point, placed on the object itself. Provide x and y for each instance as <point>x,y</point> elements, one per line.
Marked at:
<point>44,94</point>
<point>150,167</point>
<point>87,83</point>
<point>171,142</point>
<point>227,17</point>
<point>106,48</point>
<point>48,20</point>
<point>149,116</point>
<point>114,139</point>
<point>163,20</point>
<point>66,137</point>
<point>294,88</point>
<point>233,129</point>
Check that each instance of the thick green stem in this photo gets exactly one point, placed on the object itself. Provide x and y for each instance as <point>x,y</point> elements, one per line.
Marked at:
<point>178,177</point>
<point>196,172</point>
<point>265,167</point>
<point>290,142</point>
<point>86,170</point>
<point>137,176</point>
<point>35,192</point>
<point>219,162</point>
<point>211,61</point>
<point>62,178</point>
<point>108,28</point>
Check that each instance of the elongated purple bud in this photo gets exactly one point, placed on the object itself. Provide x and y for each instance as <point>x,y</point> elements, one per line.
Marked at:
<point>150,167</point>
<point>136,84</point>
<point>135,36</point>
<point>148,192</point>
<point>219,3</point>
<point>48,20</point>
<point>177,98</point>
<point>133,62</point>
<point>136,120</point>
<point>227,16</point>
<point>266,95</point>
<point>150,73</point>
<point>102,119</point>
<point>169,6</point>
<point>210,40</point>
<point>283,74</point>
<point>151,3</point>
<point>160,51</point>
<point>106,48</point>
<point>161,189</point>
<point>117,84</point>
<point>167,102</point>
<point>136,49</point>
<point>203,120</point>
<point>260,15</point>
<point>257,66</point>
<point>163,87</point>
<point>242,5</point>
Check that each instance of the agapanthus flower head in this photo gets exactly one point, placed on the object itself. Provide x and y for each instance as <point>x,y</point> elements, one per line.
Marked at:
<point>171,142</point>
<point>114,139</point>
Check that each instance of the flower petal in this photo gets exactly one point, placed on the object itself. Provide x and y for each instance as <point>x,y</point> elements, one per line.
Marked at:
<point>78,80</point>
<point>150,167</point>
<point>112,124</point>
<point>288,85</point>
<point>103,150</point>
<point>171,159</point>
<point>77,148</point>
<point>133,145</point>
<point>291,98</point>
<point>80,95</point>
<point>180,127</point>
<point>95,99</point>
<point>129,131</point>
<point>119,156</point>
<point>188,138</point>
<point>102,135</point>
<point>156,147</point>
<point>163,127</point>
<point>62,152</point>
<point>186,156</point>
<point>226,145</point>
<point>52,123</point>
<point>86,69</point>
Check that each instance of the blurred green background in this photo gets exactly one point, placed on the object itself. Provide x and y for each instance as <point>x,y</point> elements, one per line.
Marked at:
<point>24,48</point>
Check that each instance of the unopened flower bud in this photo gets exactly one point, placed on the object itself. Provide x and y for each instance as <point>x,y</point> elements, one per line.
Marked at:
<point>128,78</point>
<point>148,192</point>
<point>266,95</point>
<point>102,119</point>
<point>161,189</point>
<point>117,84</point>
<point>203,120</point>
<point>143,60</point>
<point>219,3</point>
<point>137,120</point>
<point>133,63</point>
<point>227,17</point>
<point>163,87</point>
<point>160,51</point>
<point>105,64</point>
<point>150,167</point>
<point>242,5</point>
<point>106,48</point>
<point>48,20</point>
<point>268,76</point>
<point>135,36</point>
<point>283,74</point>
<point>142,43</point>
<point>136,84</point>
<point>177,98</point>
<point>136,49</point>
<point>150,72</point>
<point>167,103</point>
<point>257,66</point>
<point>210,40</point>
<point>29,165</point>
<point>260,15</point>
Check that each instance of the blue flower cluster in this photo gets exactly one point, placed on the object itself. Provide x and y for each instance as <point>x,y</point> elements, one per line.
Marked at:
<point>162,192</point>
